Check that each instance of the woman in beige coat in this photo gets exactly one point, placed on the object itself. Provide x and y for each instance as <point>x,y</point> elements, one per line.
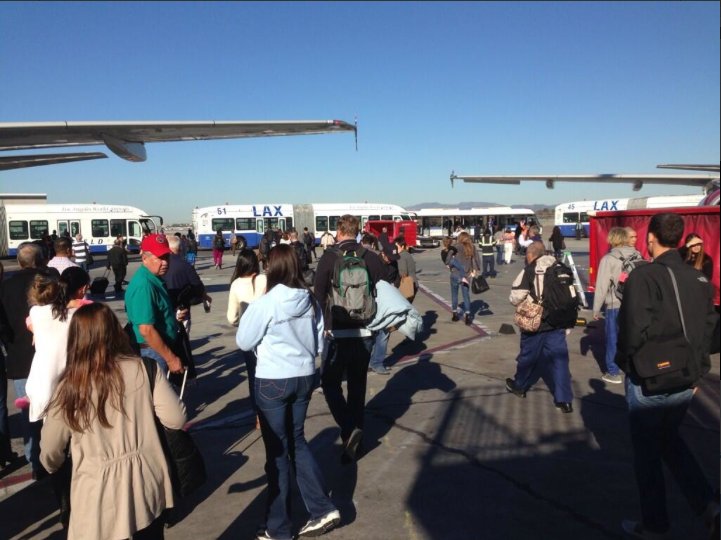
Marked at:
<point>104,408</point>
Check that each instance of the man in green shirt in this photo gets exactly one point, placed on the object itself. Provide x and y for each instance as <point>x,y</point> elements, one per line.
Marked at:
<point>149,308</point>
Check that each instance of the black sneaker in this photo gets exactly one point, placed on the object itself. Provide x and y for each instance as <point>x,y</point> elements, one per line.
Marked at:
<point>563,406</point>
<point>467,319</point>
<point>454,317</point>
<point>350,447</point>
<point>513,389</point>
<point>321,525</point>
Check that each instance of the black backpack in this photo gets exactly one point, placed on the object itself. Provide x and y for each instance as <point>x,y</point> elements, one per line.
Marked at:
<point>219,242</point>
<point>627,266</point>
<point>560,299</point>
<point>302,255</point>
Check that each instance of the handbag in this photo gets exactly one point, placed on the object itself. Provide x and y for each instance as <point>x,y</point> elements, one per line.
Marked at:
<point>479,284</point>
<point>406,287</point>
<point>185,462</point>
<point>528,314</point>
<point>665,364</point>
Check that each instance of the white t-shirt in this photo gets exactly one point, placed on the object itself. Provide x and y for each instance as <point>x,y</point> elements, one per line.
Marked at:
<point>242,294</point>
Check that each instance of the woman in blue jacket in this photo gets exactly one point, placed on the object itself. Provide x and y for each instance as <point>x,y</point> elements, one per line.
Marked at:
<point>285,328</point>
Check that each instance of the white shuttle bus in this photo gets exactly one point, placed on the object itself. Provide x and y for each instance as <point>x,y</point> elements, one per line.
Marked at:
<point>438,223</point>
<point>569,214</point>
<point>250,221</point>
<point>99,224</point>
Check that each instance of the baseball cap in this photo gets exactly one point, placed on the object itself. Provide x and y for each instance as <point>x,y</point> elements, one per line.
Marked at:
<point>156,244</point>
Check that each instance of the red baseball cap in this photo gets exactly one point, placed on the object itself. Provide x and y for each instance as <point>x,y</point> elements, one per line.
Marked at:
<point>156,244</point>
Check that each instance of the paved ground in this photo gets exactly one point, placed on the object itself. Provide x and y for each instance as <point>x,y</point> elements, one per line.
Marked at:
<point>449,453</point>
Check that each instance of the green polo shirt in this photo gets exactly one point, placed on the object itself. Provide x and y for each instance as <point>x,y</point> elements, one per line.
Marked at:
<point>147,302</point>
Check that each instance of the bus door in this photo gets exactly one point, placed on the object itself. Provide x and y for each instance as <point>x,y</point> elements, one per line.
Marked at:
<point>281,224</point>
<point>135,235</point>
<point>74,228</point>
<point>62,227</point>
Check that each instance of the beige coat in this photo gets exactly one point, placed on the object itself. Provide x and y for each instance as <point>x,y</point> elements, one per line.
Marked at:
<point>120,476</point>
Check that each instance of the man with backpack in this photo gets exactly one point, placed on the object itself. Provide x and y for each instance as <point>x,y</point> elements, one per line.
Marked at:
<point>344,286</point>
<point>544,350</point>
<point>665,326</point>
<point>309,242</point>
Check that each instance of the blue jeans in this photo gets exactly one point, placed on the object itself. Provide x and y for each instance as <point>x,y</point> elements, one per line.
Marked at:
<point>655,437</point>
<point>380,346</point>
<point>488,266</point>
<point>545,355</point>
<point>499,253</point>
<point>31,430</point>
<point>282,405</point>
<point>349,357</point>
<point>455,283</point>
<point>147,352</point>
<point>611,340</point>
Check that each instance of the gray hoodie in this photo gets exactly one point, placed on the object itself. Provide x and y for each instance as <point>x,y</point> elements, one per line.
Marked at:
<point>607,278</point>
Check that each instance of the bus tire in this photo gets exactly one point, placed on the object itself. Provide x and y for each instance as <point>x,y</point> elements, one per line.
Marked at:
<point>242,242</point>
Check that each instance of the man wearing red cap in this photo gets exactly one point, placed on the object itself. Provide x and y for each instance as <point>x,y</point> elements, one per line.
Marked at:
<point>149,308</point>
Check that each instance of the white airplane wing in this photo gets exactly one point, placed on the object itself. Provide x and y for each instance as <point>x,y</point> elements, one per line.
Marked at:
<point>127,139</point>
<point>637,180</point>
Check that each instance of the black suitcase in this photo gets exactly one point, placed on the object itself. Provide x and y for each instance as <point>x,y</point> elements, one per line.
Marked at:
<point>99,284</point>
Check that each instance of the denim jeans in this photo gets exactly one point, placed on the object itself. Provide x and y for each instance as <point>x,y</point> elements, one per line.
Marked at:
<point>380,346</point>
<point>147,352</point>
<point>282,405</point>
<point>31,430</point>
<point>655,437</point>
<point>349,357</point>
<point>488,266</point>
<point>5,448</point>
<point>545,355</point>
<point>499,253</point>
<point>611,340</point>
<point>465,291</point>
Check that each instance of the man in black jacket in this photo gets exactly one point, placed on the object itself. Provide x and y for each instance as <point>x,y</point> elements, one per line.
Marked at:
<point>350,345</point>
<point>117,259</point>
<point>19,341</point>
<point>650,312</point>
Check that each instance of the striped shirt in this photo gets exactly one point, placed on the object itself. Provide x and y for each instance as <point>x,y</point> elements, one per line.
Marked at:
<point>80,251</point>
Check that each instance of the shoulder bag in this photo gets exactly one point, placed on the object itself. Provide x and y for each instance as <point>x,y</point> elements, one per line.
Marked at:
<point>479,284</point>
<point>665,364</point>
<point>187,468</point>
<point>529,313</point>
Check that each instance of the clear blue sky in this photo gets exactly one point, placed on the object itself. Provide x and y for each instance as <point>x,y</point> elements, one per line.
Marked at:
<point>479,88</point>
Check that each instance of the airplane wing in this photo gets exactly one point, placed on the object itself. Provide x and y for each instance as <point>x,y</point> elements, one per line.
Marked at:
<point>34,160</point>
<point>127,139</point>
<point>638,180</point>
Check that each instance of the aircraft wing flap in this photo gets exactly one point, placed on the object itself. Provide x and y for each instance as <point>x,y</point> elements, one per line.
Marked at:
<point>35,160</point>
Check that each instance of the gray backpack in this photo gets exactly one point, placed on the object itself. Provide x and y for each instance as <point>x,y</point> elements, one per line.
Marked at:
<point>627,266</point>
<point>352,301</point>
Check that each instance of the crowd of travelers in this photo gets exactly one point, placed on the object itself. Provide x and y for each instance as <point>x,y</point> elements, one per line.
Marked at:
<point>90,408</point>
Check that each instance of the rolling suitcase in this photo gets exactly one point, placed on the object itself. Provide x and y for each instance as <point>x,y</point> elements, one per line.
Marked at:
<point>99,284</point>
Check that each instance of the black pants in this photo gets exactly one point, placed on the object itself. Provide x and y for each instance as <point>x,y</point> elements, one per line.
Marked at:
<point>154,531</point>
<point>349,356</point>
<point>489,266</point>
<point>119,273</point>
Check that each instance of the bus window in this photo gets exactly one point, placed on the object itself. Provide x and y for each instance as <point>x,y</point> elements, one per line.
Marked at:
<point>147,225</point>
<point>321,223</point>
<point>224,224</point>
<point>270,223</point>
<point>373,218</point>
<point>62,227</point>
<point>289,222</point>
<point>19,230</point>
<point>570,217</point>
<point>118,228</point>
<point>245,224</point>
<point>38,228</point>
<point>584,217</point>
<point>99,228</point>
<point>74,228</point>
<point>387,218</point>
<point>281,224</point>
<point>134,229</point>
<point>259,226</point>
<point>333,222</point>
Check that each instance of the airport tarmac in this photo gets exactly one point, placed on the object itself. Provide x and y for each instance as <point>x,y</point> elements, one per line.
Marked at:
<point>448,452</point>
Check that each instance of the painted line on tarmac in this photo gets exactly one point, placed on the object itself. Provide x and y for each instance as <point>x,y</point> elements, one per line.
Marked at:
<point>479,328</point>
<point>13,480</point>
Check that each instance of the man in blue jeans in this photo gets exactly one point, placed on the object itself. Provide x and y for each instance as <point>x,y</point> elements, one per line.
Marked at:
<point>650,313</point>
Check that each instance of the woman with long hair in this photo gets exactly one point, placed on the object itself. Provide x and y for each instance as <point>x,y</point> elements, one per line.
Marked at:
<point>104,409</point>
<point>471,262</point>
<point>285,328</point>
<point>693,254</point>
<point>53,301</point>
<point>246,285</point>
<point>557,242</point>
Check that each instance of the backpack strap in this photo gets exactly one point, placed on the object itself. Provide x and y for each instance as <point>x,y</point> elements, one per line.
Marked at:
<point>678,301</point>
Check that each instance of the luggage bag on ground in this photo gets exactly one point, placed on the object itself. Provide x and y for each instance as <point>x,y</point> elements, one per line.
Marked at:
<point>99,284</point>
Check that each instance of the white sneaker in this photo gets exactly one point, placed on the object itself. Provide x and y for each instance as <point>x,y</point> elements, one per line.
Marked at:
<point>321,525</point>
<point>613,379</point>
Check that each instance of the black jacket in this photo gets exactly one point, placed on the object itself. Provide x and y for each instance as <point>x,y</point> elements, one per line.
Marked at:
<point>18,339</point>
<point>324,272</point>
<point>649,310</point>
<point>117,257</point>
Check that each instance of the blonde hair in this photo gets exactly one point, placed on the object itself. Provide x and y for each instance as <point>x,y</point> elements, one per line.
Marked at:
<point>617,237</point>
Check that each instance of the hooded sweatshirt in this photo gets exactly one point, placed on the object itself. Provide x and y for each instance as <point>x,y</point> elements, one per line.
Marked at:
<point>285,328</point>
<point>609,270</point>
